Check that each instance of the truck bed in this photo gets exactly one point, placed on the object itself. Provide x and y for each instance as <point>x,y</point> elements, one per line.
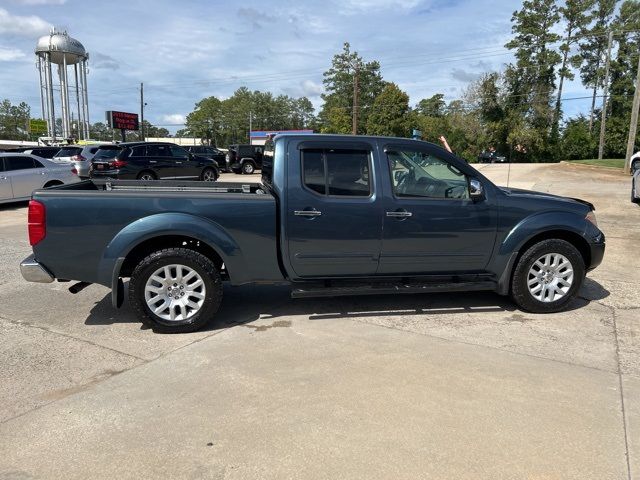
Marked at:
<point>87,219</point>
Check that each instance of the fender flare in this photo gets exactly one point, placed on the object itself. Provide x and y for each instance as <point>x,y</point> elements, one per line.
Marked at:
<point>165,224</point>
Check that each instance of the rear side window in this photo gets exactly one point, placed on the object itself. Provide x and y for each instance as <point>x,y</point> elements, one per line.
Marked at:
<point>337,172</point>
<point>19,163</point>
<point>158,151</point>
<point>138,151</point>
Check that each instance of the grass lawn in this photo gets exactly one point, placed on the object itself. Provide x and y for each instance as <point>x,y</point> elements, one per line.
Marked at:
<point>605,162</point>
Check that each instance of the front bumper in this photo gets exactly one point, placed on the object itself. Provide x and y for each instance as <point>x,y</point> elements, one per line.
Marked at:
<point>32,271</point>
<point>596,251</point>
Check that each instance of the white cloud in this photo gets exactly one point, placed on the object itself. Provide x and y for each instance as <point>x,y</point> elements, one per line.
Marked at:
<point>27,26</point>
<point>11,54</point>
<point>311,88</point>
<point>352,6</point>
<point>40,2</point>
<point>174,118</point>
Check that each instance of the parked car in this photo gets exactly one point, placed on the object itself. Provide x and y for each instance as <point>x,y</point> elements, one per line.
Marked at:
<point>21,174</point>
<point>106,152</point>
<point>81,156</point>
<point>43,152</point>
<point>491,156</point>
<point>244,158</point>
<point>211,153</point>
<point>154,161</point>
<point>334,215</point>
<point>635,181</point>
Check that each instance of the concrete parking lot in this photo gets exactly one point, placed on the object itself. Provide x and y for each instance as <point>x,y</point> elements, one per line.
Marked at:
<point>451,386</point>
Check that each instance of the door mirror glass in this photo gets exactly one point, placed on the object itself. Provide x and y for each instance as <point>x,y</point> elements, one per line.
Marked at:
<point>475,189</point>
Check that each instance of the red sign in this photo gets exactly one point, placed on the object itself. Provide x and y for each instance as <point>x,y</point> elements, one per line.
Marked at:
<point>123,120</point>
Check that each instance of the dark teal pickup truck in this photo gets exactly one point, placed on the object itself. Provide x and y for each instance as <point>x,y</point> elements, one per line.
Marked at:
<point>333,215</point>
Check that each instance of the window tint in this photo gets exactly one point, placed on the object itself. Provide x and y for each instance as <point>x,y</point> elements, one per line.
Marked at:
<point>68,152</point>
<point>158,151</point>
<point>337,172</point>
<point>140,151</point>
<point>2,160</point>
<point>179,152</point>
<point>420,174</point>
<point>19,163</point>
<point>93,150</point>
<point>313,170</point>
<point>103,153</point>
<point>37,163</point>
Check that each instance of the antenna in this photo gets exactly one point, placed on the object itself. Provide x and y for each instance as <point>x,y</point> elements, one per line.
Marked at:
<point>509,173</point>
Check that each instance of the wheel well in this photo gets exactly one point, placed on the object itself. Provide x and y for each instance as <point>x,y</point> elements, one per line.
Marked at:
<point>147,247</point>
<point>573,238</point>
<point>52,183</point>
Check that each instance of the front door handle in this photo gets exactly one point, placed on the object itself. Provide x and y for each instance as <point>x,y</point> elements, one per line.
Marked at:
<point>399,214</point>
<point>307,213</point>
<point>179,163</point>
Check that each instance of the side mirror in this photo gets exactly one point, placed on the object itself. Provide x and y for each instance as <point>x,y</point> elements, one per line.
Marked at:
<point>476,191</point>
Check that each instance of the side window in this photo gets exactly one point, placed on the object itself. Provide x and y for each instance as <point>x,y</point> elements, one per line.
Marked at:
<point>313,171</point>
<point>2,160</point>
<point>138,151</point>
<point>178,152</point>
<point>337,172</point>
<point>19,163</point>
<point>420,174</point>
<point>158,151</point>
<point>37,164</point>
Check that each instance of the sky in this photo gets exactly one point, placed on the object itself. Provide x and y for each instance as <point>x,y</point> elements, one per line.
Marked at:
<point>187,50</point>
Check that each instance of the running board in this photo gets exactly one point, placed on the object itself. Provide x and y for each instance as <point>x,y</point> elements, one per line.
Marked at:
<point>386,288</point>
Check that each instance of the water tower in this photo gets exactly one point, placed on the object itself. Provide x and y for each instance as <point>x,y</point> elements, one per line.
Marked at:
<point>60,49</point>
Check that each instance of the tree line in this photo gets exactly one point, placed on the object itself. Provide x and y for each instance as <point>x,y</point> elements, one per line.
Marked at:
<point>517,110</point>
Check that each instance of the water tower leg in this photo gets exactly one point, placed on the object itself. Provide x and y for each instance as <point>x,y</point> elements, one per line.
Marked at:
<point>80,111</point>
<point>51,127</point>
<point>85,92</point>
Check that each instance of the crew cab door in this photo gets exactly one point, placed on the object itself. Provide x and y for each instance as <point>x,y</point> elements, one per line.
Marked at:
<point>431,225</point>
<point>334,216</point>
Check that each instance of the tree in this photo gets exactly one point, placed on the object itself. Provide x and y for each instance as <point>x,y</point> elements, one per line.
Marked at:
<point>577,142</point>
<point>575,14</point>
<point>531,81</point>
<point>14,120</point>
<point>593,46</point>
<point>389,114</point>
<point>339,85</point>
<point>433,106</point>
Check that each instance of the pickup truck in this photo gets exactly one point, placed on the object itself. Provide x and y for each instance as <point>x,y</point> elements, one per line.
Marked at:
<point>333,215</point>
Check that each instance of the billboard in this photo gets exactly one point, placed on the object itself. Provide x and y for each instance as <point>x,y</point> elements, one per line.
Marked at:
<point>122,120</point>
<point>37,126</point>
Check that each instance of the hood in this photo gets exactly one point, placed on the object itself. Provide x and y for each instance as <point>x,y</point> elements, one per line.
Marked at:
<point>522,192</point>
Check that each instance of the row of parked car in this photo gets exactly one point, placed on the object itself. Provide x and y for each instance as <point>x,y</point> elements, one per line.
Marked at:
<point>24,170</point>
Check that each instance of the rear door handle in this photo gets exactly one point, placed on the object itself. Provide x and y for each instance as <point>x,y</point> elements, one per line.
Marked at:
<point>178,162</point>
<point>399,214</point>
<point>153,161</point>
<point>307,213</point>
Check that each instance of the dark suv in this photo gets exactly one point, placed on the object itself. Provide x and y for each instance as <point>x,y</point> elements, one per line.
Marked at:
<point>208,152</point>
<point>153,161</point>
<point>244,158</point>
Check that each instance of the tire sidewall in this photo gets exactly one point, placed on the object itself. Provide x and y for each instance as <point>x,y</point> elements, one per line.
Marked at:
<point>519,288</point>
<point>194,260</point>
<point>250,166</point>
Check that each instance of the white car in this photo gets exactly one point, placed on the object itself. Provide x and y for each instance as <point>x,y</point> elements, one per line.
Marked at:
<point>21,174</point>
<point>635,182</point>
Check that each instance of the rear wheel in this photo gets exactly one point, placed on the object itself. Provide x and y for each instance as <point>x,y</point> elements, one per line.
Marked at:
<point>547,276</point>
<point>208,175</point>
<point>175,290</point>
<point>248,168</point>
<point>146,176</point>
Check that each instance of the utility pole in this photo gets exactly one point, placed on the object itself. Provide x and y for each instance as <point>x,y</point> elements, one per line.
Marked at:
<point>604,97</point>
<point>633,126</point>
<point>142,111</point>
<point>356,92</point>
<point>250,125</point>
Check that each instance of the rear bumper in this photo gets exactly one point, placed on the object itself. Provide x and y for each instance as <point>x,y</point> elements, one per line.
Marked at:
<point>32,271</point>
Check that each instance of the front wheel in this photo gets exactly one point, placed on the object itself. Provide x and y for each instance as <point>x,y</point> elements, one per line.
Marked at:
<point>547,276</point>
<point>175,290</point>
<point>635,195</point>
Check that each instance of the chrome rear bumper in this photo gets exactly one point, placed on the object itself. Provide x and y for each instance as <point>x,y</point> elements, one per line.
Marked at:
<point>32,271</point>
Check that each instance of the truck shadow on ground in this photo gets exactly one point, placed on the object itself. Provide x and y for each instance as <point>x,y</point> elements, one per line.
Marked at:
<point>250,303</point>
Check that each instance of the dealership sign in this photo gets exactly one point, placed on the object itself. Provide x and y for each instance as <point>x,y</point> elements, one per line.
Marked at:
<point>122,120</point>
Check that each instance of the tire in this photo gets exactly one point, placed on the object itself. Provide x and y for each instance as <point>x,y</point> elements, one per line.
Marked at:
<point>634,193</point>
<point>248,168</point>
<point>209,175</point>
<point>146,176</point>
<point>205,291</point>
<point>560,286</point>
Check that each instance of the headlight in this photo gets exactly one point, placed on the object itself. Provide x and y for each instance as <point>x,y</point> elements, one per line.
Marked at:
<point>591,217</point>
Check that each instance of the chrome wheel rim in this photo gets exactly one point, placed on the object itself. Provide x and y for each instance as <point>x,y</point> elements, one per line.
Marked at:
<point>175,293</point>
<point>550,277</point>
<point>248,168</point>
<point>208,176</point>
<point>146,177</point>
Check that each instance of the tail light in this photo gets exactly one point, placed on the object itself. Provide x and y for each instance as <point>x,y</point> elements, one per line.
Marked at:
<point>117,164</point>
<point>36,218</point>
<point>78,158</point>
<point>74,171</point>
